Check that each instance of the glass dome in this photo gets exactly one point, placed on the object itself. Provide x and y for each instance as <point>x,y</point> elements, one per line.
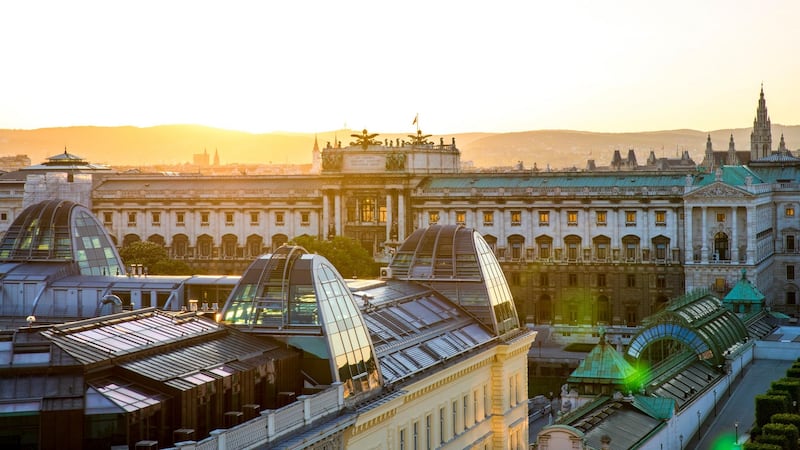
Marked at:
<point>301,299</point>
<point>61,231</point>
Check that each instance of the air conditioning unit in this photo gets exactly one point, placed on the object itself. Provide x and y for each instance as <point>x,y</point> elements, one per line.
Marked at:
<point>386,273</point>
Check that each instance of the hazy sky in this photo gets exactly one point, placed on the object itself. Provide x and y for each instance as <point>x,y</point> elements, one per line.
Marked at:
<point>309,66</point>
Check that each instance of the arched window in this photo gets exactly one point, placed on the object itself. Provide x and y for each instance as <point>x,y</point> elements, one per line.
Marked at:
<point>630,245</point>
<point>205,244</point>
<point>130,239</point>
<point>544,244</point>
<point>661,246</point>
<point>601,246</point>
<point>180,246</point>
<point>573,246</point>
<point>278,240</point>
<point>254,245</point>
<point>516,243</point>
<point>229,242</point>
<point>492,241</point>
<point>157,239</point>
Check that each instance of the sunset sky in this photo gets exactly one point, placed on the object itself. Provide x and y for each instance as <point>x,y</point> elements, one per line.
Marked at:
<point>311,66</point>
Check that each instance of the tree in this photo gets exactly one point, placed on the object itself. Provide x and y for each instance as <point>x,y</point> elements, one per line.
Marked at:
<point>154,257</point>
<point>346,255</point>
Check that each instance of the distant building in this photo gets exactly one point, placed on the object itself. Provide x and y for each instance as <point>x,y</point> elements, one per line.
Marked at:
<point>12,163</point>
<point>201,159</point>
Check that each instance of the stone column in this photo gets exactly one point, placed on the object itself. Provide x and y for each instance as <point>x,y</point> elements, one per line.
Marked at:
<point>389,215</point>
<point>337,212</point>
<point>401,216</point>
<point>734,236</point>
<point>704,230</point>
<point>751,235</point>
<point>689,244</point>
<point>326,216</point>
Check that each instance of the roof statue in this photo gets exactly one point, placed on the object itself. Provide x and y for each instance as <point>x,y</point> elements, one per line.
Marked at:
<point>419,139</point>
<point>365,139</point>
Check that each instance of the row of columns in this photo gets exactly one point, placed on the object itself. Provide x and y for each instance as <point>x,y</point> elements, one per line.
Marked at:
<point>706,233</point>
<point>333,222</point>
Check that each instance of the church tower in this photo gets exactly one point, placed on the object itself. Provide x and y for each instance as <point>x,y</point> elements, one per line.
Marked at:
<point>761,137</point>
<point>316,158</point>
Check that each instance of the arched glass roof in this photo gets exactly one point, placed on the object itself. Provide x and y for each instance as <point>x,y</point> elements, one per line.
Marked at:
<point>301,299</point>
<point>458,262</point>
<point>699,321</point>
<point>61,231</point>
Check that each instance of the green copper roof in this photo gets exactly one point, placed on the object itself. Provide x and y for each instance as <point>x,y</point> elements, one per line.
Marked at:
<point>731,175</point>
<point>556,179</point>
<point>655,407</point>
<point>744,292</point>
<point>603,365</point>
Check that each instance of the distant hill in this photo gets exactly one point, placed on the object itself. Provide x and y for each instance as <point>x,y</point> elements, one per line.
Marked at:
<point>175,144</point>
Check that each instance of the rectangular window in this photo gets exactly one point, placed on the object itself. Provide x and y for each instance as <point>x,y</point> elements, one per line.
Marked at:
<point>475,406</point>
<point>720,217</point>
<point>279,218</point>
<point>3,216</point>
<point>433,217</point>
<point>544,218</point>
<point>488,218</point>
<point>790,272</point>
<point>441,425</point>
<point>254,218</point>
<point>572,279</point>
<point>630,218</point>
<point>789,211</point>
<point>155,218</point>
<point>461,217</point>
<point>305,218</point>
<point>486,404</point>
<point>367,206</point>
<point>455,417</point>
<point>544,279</point>
<point>382,214</point>
<point>790,298</point>
<point>516,279</point>
<point>402,439</point>
<point>630,316</point>
<point>661,252</point>
<point>572,218</point>
<point>415,435</point>
<point>661,281</point>
<point>544,251</point>
<point>602,252</point>
<point>601,218</point>
<point>108,218</point>
<point>516,218</point>
<point>131,219</point>
<point>661,218</point>
<point>204,218</point>
<point>428,432</point>
<point>790,243</point>
<point>464,406</point>
<point>180,218</point>
<point>630,280</point>
<point>601,279</point>
<point>228,218</point>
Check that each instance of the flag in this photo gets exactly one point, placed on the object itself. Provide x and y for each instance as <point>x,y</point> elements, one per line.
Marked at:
<point>415,119</point>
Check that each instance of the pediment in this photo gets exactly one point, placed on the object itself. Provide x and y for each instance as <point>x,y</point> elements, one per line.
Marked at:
<point>719,189</point>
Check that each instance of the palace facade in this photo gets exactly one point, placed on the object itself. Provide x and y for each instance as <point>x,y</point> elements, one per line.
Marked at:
<point>578,248</point>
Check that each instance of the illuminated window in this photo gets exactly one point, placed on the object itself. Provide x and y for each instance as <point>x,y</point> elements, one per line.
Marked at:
<point>488,218</point>
<point>433,217</point>
<point>544,218</point>
<point>572,218</point>
<point>720,217</point>
<point>461,217</point>
<point>382,214</point>
<point>790,211</point>
<point>601,217</point>
<point>661,218</point>
<point>367,210</point>
<point>630,218</point>
<point>516,218</point>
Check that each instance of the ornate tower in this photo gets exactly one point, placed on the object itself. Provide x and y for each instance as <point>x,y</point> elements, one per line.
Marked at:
<point>316,158</point>
<point>761,137</point>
